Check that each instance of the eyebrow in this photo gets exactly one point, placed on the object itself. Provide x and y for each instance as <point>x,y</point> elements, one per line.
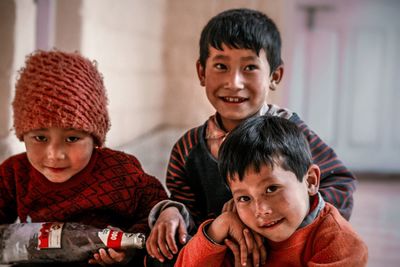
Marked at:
<point>240,191</point>
<point>250,58</point>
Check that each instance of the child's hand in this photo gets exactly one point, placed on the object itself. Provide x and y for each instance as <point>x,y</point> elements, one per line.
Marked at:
<point>258,252</point>
<point>229,206</point>
<point>161,241</point>
<point>108,257</point>
<point>229,226</point>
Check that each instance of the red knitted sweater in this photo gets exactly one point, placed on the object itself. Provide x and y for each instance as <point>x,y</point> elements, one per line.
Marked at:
<point>328,241</point>
<point>112,190</point>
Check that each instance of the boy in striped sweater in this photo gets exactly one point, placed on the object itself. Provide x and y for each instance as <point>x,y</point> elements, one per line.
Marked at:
<point>240,61</point>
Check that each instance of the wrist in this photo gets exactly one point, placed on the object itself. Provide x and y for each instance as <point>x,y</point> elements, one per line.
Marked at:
<point>170,209</point>
<point>163,205</point>
<point>217,231</point>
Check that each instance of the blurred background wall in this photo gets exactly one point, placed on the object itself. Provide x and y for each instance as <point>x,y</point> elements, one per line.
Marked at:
<point>146,50</point>
<point>342,75</point>
<point>341,65</point>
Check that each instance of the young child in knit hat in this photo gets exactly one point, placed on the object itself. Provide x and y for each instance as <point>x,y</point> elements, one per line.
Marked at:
<point>66,173</point>
<point>266,163</point>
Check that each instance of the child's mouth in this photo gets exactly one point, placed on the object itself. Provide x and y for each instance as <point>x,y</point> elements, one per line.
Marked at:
<point>272,223</point>
<point>56,170</point>
<point>235,100</point>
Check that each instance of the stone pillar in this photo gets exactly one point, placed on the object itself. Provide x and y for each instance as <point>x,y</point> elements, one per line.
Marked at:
<point>7,28</point>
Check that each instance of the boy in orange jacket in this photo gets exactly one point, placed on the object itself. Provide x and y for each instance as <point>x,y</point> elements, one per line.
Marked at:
<point>267,164</point>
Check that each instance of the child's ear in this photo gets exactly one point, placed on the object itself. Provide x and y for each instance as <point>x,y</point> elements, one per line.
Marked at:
<point>312,179</point>
<point>276,78</point>
<point>201,73</point>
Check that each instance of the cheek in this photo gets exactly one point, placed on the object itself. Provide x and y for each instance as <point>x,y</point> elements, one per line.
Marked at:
<point>33,152</point>
<point>297,205</point>
<point>81,157</point>
<point>260,90</point>
<point>264,83</point>
<point>284,203</point>
<point>246,214</point>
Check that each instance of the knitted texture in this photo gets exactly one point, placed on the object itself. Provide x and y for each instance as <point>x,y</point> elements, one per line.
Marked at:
<point>63,90</point>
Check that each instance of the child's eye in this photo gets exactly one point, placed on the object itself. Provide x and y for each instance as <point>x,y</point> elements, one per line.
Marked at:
<point>40,138</point>
<point>243,199</point>
<point>72,139</point>
<point>272,189</point>
<point>250,67</point>
<point>220,66</point>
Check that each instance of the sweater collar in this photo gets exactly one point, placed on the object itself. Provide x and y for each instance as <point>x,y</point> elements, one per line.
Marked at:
<point>317,203</point>
<point>216,131</point>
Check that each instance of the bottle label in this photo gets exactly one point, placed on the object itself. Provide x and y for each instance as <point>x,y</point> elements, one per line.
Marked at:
<point>118,239</point>
<point>49,235</point>
<point>111,238</point>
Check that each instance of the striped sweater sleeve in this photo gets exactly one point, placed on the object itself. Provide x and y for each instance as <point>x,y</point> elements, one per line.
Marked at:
<point>177,180</point>
<point>337,183</point>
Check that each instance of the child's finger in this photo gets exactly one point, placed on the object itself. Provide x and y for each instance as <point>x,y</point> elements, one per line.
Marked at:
<point>151,244</point>
<point>261,248</point>
<point>104,257</point>
<point>182,232</point>
<point>170,240</point>
<point>229,206</point>
<point>243,252</point>
<point>117,256</point>
<point>162,245</point>
<point>96,260</point>
<point>252,246</point>
<point>248,237</point>
<point>235,250</point>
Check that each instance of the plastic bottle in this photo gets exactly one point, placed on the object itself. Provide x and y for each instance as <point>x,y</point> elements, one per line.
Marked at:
<point>60,242</point>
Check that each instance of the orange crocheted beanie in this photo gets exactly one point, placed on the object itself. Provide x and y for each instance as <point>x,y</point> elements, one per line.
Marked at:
<point>64,90</point>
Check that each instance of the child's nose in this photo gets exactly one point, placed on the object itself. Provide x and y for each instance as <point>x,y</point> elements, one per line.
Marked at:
<point>262,208</point>
<point>55,151</point>
<point>235,80</point>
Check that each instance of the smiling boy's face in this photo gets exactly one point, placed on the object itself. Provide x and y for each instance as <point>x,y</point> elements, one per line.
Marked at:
<point>58,153</point>
<point>237,82</point>
<point>273,202</point>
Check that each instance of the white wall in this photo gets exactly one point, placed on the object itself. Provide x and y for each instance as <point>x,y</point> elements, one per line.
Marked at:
<point>126,38</point>
<point>146,50</point>
<point>18,20</point>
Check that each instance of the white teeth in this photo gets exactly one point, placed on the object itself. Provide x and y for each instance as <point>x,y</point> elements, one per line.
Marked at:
<point>272,223</point>
<point>233,99</point>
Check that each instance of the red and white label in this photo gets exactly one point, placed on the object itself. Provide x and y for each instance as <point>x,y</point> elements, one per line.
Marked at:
<point>49,235</point>
<point>117,239</point>
<point>111,238</point>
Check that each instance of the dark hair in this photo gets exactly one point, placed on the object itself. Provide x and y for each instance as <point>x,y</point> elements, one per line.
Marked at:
<point>242,28</point>
<point>264,140</point>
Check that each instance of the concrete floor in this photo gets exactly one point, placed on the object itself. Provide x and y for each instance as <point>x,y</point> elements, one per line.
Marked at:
<point>376,217</point>
<point>376,214</point>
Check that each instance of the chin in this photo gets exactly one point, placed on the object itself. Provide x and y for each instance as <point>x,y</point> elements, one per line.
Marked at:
<point>236,116</point>
<point>279,239</point>
<point>58,179</point>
